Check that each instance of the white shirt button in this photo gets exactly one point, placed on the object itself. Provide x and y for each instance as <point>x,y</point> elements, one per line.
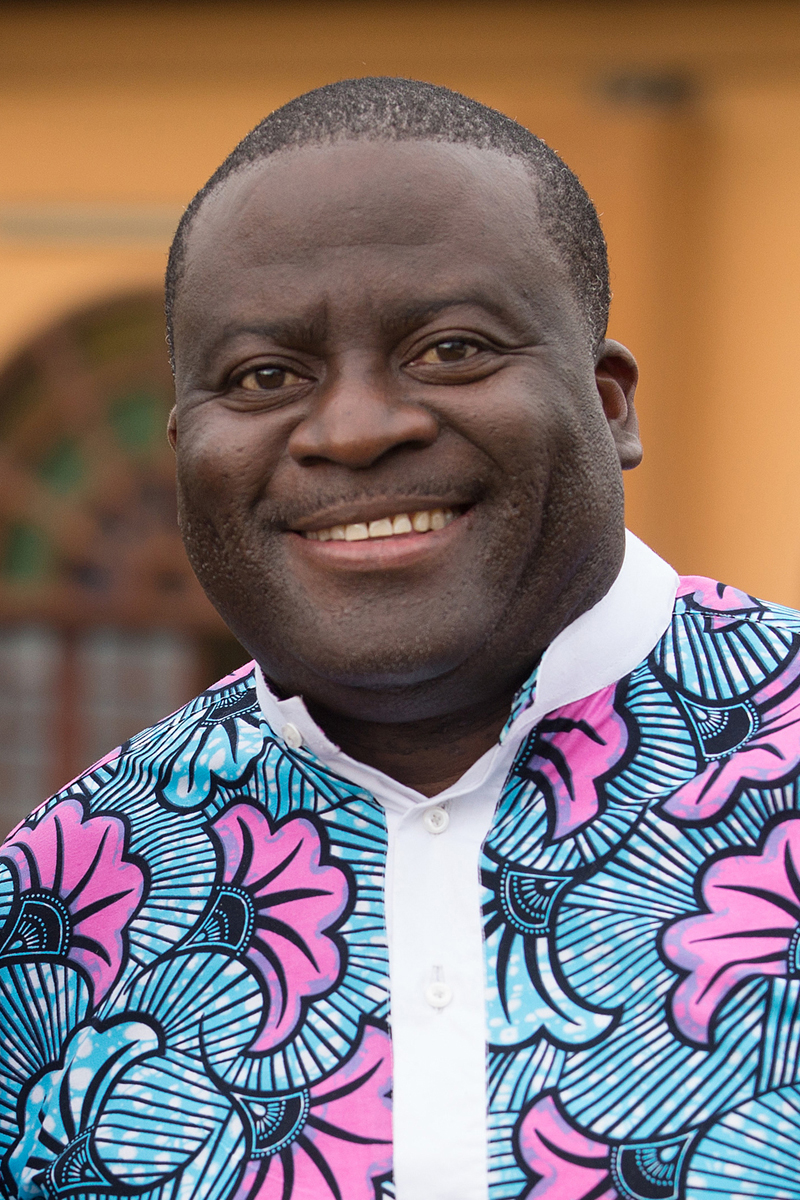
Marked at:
<point>438,994</point>
<point>436,820</point>
<point>292,736</point>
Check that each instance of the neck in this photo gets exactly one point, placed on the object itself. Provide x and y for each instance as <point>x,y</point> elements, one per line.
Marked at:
<point>427,755</point>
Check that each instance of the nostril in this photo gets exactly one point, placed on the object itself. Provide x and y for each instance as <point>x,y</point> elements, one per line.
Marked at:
<point>359,435</point>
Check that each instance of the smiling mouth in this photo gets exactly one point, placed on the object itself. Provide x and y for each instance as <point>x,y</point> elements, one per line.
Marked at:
<point>425,521</point>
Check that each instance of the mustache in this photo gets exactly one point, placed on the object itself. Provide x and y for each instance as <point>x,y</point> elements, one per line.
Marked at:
<point>416,494</point>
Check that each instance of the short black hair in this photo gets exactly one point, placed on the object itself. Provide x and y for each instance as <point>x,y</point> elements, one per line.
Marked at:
<point>388,109</point>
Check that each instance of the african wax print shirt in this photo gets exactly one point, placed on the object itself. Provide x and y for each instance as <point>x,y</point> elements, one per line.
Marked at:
<point>580,964</point>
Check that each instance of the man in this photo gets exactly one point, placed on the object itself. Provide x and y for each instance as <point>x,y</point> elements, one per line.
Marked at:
<point>502,810</point>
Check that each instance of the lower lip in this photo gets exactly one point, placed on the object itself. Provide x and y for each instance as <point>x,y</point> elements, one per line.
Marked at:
<point>375,553</point>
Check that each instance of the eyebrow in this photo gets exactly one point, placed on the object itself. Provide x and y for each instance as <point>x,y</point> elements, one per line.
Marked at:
<point>300,334</point>
<point>416,314</point>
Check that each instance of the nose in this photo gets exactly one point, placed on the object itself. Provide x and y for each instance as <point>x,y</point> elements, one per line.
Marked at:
<point>357,418</point>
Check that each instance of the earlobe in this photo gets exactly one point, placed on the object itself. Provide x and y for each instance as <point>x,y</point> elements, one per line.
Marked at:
<point>616,375</point>
<point>172,428</point>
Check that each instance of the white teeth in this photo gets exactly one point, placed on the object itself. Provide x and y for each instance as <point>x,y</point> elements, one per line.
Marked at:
<point>360,531</point>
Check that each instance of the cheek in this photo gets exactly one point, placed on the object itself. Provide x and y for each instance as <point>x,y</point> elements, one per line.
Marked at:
<point>223,465</point>
<point>516,416</point>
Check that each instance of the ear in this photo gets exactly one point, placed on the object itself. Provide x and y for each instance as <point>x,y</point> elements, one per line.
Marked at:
<point>172,428</point>
<point>617,374</point>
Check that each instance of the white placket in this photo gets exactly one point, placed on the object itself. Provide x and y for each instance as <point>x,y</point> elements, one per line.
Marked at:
<point>438,997</point>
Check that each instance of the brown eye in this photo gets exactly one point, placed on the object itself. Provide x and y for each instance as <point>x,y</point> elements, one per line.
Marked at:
<point>268,379</point>
<point>450,351</point>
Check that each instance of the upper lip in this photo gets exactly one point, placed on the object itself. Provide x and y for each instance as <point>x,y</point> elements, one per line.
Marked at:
<point>364,511</point>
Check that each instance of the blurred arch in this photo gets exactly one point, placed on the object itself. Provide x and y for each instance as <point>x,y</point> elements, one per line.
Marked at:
<point>103,627</point>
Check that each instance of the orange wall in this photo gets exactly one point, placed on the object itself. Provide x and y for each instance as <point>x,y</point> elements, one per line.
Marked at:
<point>132,106</point>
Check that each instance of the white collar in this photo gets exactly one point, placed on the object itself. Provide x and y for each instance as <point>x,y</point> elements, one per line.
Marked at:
<point>598,648</point>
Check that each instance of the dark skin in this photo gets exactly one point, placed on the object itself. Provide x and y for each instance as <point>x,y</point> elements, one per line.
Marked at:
<point>372,329</point>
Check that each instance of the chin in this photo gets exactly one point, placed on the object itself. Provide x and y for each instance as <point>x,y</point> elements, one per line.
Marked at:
<point>380,672</point>
<point>368,675</point>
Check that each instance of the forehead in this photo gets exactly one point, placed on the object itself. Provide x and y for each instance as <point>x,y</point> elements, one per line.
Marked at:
<point>400,217</point>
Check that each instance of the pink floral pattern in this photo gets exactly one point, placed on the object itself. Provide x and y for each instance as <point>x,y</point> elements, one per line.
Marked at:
<point>771,754</point>
<point>77,864</point>
<point>346,1143</point>
<point>749,929</point>
<point>575,746</point>
<point>568,1165</point>
<point>297,900</point>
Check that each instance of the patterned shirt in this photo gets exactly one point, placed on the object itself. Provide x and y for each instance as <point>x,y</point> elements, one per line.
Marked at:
<point>593,939</point>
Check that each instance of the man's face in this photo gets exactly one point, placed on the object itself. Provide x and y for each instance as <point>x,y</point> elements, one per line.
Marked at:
<point>374,338</point>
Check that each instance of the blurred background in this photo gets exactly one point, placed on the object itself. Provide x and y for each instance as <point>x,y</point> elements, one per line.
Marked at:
<point>682,119</point>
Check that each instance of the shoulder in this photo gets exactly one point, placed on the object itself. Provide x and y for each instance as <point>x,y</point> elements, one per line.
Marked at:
<point>721,693</point>
<point>173,762</point>
<point>99,864</point>
<point>698,594</point>
<point>723,644</point>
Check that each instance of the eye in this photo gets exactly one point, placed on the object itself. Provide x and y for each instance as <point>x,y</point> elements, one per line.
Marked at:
<point>453,350</point>
<point>268,379</point>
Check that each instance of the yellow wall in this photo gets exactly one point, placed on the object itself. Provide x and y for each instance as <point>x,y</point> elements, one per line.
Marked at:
<point>111,111</point>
